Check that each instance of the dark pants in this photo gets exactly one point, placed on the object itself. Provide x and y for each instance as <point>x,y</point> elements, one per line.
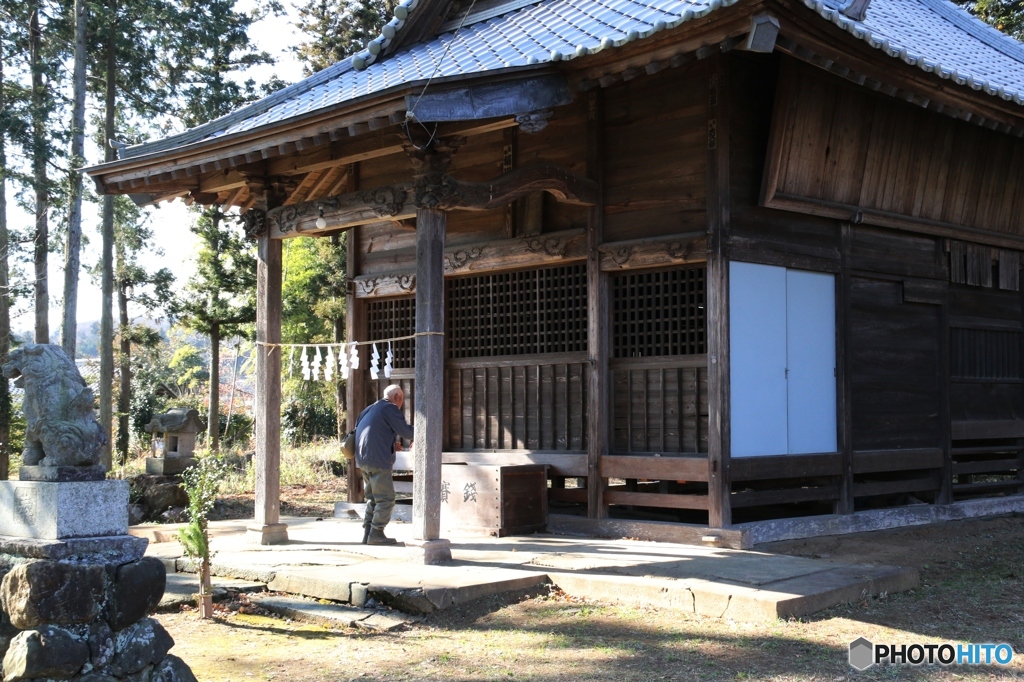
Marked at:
<point>379,489</point>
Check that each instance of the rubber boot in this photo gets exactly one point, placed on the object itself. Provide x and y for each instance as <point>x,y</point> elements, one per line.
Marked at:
<point>377,537</point>
<point>366,533</point>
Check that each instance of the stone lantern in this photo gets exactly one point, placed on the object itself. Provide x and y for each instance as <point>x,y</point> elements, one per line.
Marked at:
<point>174,441</point>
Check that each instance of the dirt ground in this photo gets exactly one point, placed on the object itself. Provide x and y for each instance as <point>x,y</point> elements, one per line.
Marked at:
<point>972,590</point>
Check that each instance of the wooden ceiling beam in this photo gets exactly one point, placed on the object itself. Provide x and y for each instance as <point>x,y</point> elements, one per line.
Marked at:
<point>220,181</point>
<point>326,180</point>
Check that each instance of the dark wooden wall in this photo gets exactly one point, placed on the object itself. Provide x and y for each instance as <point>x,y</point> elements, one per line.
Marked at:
<point>909,341</point>
<point>837,149</point>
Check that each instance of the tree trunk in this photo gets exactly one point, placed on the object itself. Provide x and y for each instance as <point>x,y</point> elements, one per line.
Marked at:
<point>107,263</point>
<point>205,589</point>
<point>69,328</point>
<point>234,381</point>
<point>213,431</point>
<point>41,240</point>
<point>5,303</point>
<point>124,396</point>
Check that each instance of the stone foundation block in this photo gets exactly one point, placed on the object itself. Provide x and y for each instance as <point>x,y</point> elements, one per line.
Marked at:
<point>136,591</point>
<point>54,511</point>
<point>45,653</point>
<point>110,550</point>
<point>101,645</point>
<point>172,669</point>
<point>50,592</point>
<point>138,646</point>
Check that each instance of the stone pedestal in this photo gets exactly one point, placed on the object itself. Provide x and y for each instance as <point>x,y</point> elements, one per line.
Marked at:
<point>168,466</point>
<point>269,534</point>
<point>429,552</point>
<point>56,511</point>
<point>69,473</point>
<point>76,590</point>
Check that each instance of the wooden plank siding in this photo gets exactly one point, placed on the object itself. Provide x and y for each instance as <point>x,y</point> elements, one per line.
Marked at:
<point>840,151</point>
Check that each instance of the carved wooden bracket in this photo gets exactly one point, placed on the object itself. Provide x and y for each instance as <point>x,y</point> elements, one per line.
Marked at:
<point>254,222</point>
<point>564,185</point>
<point>643,253</point>
<point>432,190</point>
<point>391,202</point>
<point>504,254</point>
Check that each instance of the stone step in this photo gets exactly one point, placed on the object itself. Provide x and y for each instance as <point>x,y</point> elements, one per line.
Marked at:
<point>182,588</point>
<point>332,615</point>
<point>419,591</point>
<point>790,598</point>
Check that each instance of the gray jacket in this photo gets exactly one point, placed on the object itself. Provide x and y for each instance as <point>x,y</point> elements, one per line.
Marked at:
<point>377,428</point>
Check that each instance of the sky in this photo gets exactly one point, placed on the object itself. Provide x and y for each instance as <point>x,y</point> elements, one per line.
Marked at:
<point>174,243</point>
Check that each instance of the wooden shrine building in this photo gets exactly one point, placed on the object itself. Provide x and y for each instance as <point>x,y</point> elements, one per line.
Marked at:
<point>719,264</point>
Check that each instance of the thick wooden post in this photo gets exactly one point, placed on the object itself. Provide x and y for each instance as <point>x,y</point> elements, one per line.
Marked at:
<point>843,375</point>
<point>355,386</point>
<point>429,404</point>
<point>719,480</point>
<point>598,336</point>
<point>355,330</point>
<point>268,529</point>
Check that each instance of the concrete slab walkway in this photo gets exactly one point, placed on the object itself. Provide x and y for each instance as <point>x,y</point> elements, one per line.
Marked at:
<point>324,559</point>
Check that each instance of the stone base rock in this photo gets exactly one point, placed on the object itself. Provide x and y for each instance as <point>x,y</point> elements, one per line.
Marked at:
<point>55,511</point>
<point>62,621</point>
<point>157,494</point>
<point>167,466</point>
<point>97,472</point>
<point>40,592</point>
<point>111,550</point>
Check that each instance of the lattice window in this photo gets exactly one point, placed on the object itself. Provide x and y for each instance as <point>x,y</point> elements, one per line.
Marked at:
<point>658,313</point>
<point>984,354</point>
<point>517,313</point>
<point>388,318</point>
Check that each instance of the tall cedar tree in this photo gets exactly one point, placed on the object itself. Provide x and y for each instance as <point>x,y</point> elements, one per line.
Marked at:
<point>134,58</point>
<point>217,48</point>
<point>6,124</point>
<point>150,291</point>
<point>44,69</point>
<point>73,243</point>
<point>16,131</point>
<point>219,300</point>
<point>336,29</point>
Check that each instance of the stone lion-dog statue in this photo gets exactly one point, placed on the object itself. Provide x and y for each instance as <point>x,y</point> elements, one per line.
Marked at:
<point>61,427</point>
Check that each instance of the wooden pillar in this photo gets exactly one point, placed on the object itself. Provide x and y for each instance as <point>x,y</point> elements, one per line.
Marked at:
<point>429,404</point>
<point>719,480</point>
<point>355,386</point>
<point>598,322</point>
<point>844,406</point>
<point>355,330</point>
<point>945,494</point>
<point>268,529</point>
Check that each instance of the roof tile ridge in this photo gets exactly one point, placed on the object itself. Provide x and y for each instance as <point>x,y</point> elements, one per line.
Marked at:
<point>894,49</point>
<point>222,123</point>
<point>978,28</point>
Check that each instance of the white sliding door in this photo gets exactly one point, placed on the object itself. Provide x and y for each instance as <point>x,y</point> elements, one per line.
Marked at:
<point>782,360</point>
<point>811,360</point>
<point>757,359</point>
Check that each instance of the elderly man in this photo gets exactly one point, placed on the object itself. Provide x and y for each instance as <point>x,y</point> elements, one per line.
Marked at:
<point>377,432</point>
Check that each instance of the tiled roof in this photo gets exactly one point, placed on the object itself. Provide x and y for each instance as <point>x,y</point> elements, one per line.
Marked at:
<point>934,35</point>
